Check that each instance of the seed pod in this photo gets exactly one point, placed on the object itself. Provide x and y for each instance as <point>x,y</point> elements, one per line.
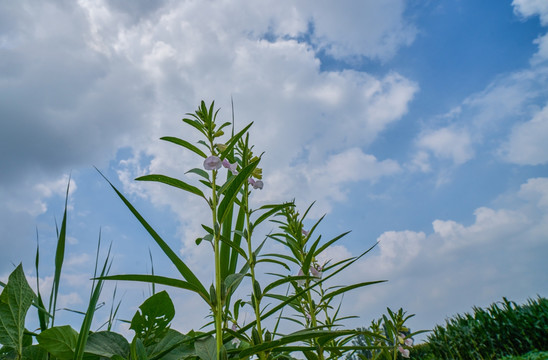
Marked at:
<point>257,290</point>
<point>256,337</point>
<point>213,295</point>
<point>223,292</point>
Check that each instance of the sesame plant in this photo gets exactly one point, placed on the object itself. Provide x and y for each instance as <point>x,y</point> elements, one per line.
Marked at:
<point>228,174</point>
<point>392,338</point>
<point>299,292</point>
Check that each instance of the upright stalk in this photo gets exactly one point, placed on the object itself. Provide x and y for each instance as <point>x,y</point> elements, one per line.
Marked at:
<point>255,301</point>
<point>218,308</point>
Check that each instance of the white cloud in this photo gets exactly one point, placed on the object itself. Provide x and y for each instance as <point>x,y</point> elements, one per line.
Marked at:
<point>528,8</point>
<point>448,143</point>
<point>457,266</point>
<point>527,141</point>
<point>373,29</point>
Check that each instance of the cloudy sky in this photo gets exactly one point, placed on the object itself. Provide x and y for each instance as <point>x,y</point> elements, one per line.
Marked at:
<point>419,124</point>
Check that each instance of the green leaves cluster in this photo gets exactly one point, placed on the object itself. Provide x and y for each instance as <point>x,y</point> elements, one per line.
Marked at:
<point>300,292</point>
<point>502,329</point>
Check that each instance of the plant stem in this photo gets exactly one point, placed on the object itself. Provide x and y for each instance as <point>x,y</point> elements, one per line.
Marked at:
<point>255,301</point>
<point>218,309</point>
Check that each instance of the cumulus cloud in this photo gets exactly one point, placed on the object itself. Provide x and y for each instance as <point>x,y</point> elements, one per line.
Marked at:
<point>447,143</point>
<point>532,7</point>
<point>81,80</point>
<point>527,141</point>
<point>457,265</point>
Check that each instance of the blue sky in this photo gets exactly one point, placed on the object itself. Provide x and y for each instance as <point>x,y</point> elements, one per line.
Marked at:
<point>421,125</point>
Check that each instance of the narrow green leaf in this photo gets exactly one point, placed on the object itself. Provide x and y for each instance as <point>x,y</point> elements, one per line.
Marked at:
<point>199,172</point>
<point>160,280</point>
<point>233,190</point>
<point>185,144</point>
<point>187,274</point>
<point>59,258</point>
<point>172,182</point>
<point>137,349</point>
<point>273,210</point>
<point>327,244</point>
<point>92,306</point>
<point>292,338</point>
<point>237,239</point>
<point>195,124</point>
<point>233,141</point>
<point>350,287</point>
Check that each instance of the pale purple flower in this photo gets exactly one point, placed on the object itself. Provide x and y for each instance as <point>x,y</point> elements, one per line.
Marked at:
<point>235,327</point>
<point>300,282</point>
<point>409,342</point>
<point>257,184</point>
<point>212,163</point>
<point>404,352</point>
<point>305,233</point>
<point>231,167</point>
<point>316,271</point>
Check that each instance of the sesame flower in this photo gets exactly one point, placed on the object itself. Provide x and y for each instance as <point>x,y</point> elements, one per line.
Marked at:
<point>231,167</point>
<point>212,163</point>
<point>257,184</point>
<point>404,352</point>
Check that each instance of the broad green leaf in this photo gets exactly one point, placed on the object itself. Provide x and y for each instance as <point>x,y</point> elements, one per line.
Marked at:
<point>172,346</point>
<point>173,182</point>
<point>15,301</point>
<point>206,348</point>
<point>151,322</point>
<point>107,344</point>
<point>35,352</point>
<point>60,341</point>
<point>185,144</point>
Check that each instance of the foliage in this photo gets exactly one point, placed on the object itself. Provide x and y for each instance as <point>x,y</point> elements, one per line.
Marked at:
<point>391,338</point>
<point>307,298</point>
<point>502,329</point>
<point>532,355</point>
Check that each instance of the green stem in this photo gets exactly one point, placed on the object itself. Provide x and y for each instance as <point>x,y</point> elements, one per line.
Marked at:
<point>252,266</point>
<point>312,314</point>
<point>218,309</point>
